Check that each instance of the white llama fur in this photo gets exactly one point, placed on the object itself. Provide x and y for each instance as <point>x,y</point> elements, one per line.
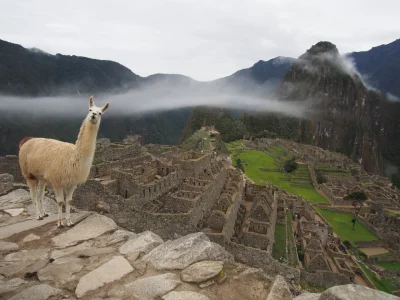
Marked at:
<point>62,165</point>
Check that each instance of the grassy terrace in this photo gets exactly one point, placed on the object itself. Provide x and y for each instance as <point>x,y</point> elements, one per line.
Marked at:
<point>342,226</point>
<point>258,161</point>
<point>279,247</point>
<point>384,284</point>
<point>390,265</point>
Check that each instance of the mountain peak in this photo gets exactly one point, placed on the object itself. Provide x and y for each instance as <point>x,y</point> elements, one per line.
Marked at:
<point>323,47</point>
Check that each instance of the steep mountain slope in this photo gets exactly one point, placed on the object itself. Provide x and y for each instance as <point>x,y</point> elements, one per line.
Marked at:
<point>380,67</point>
<point>344,116</point>
<point>33,72</point>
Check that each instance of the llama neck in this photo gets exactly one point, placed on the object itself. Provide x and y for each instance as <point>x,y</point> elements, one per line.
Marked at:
<point>86,142</point>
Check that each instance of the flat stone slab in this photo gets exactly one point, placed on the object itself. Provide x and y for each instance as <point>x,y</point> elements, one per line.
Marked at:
<point>184,295</point>
<point>90,228</point>
<point>28,255</point>
<point>143,242</point>
<point>87,245</point>
<point>308,296</point>
<point>10,230</point>
<point>15,268</point>
<point>184,251</point>
<point>6,247</point>
<point>61,270</point>
<point>202,271</point>
<point>148,288</point>
<point>10,285</point>
<point>14,211</point>
<point>113,270</point>
<point>37,292</point>
<point>120,236</point>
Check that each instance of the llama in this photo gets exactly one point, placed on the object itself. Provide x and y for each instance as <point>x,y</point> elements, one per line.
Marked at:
<point>62,165</point>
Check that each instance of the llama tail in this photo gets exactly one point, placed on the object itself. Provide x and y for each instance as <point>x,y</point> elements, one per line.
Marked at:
<point>24,140</point>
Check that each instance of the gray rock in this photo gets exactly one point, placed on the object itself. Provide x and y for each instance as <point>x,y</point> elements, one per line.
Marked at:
<point>202,271</point>
<point>93,252</point>
<point>143,242</point>
<point>10,285</point>
<point>30,237</point>
<point>61,270</point>
<point>103,207</point>
<point>5,178</point>
<point>308,296</point>
<point>355,292</point>
<point>7,247</point>
<point>182,252</point>
<point>6,183</point>
<point>184,295</point>
<point>34,268</point>
<point>16,199</point>
<point>147,288</point>
<point>13,212</point>
<point>90,228</point>
<point>120,236</point>
<point>279,290</point>
<point>113,270</point>
<point>87,245</point>
<point>140,266</point>
<point>28,255</point>
<point>37,292</point>
<point>49,206</point>
<point>14,269</point>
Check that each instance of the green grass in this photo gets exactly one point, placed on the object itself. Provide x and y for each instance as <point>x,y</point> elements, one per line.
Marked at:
<point>279,247</point>
<point>390,265</point>
<point>384,284</point>
<point>342,225</point>
<point>257,159</point>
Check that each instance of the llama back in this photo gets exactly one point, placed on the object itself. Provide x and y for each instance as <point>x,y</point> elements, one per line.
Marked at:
<point>48,160</point>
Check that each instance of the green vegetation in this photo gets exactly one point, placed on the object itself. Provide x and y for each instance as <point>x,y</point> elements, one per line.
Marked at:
<point>384,284</point>
<point>390,265</point>
<point>262,167</point>
<point>290,165</point>
<point>279,247</point>
<point>342,225</point>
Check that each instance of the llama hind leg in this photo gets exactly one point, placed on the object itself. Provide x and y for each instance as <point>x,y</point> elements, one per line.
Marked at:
<point>68,203</point>
<point>41,188</point>
<point>33,184</point>
<point>59,193</point>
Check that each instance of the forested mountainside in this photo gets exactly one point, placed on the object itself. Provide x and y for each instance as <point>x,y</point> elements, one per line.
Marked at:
<point>32,73</point>
<point>380,67</point>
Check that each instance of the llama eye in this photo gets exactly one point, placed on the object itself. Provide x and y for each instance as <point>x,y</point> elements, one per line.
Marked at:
<point>90,110</point>
<point>100,114</point>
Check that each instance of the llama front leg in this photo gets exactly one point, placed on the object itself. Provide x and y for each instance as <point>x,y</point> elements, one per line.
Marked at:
<point>68,203</point>
<point>41,188</point>
<point>59,193</point>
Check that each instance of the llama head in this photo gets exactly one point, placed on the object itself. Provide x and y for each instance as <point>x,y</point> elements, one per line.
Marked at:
<point>95,113</point>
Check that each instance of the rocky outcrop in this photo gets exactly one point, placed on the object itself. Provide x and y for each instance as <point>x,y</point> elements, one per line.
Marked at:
<point>354,292</point>
<point>184,251</point>
<point>202,271</point>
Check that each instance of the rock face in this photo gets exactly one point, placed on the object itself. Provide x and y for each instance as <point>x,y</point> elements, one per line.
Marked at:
<point>92,227</point>
<point>10,285</point>
<point>144,242</point>
<point>355,292</point>
<point>182,252</point>
<point>15,199</point>
<point>6,183</point>
<point>6,247</point>
<point>280,290</point>
<point>202,271</point>
<point>37,292</point>
<point>308,296</point>
<point>184,295</point>
<point>113,270</point>
<point>148,288</point>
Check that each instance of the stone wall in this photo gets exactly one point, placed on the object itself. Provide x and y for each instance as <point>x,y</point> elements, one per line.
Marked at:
<point>325,279</point>
<point>9,164</point>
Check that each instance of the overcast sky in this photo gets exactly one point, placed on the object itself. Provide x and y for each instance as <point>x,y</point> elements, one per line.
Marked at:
<point>204,39</point>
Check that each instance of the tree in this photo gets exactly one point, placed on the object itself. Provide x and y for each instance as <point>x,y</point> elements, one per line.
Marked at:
<point>290,165</point>
<point>358,199</point>
<point>239,164</point>
<point>321,178</point>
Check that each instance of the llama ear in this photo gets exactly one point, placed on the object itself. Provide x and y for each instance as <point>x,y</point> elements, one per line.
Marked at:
<point>91,103</point>
<point>105,107</point>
